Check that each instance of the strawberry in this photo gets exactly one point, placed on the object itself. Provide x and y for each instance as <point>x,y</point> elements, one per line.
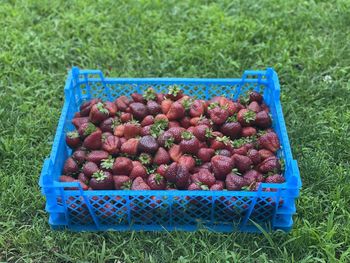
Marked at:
<point>145,159</point>
<point>138,110</point>
<point>98,113</point>
<point>77,115</point>
<point>175,152</point>
<point>139,184</point>
<point>200,132</point>
<point>70,166</point>
<point>111,107</point>
<point>148,120</point>
<point>253,176</point>
<point>161,169</point>
<point>125,117</point>
<point>263,120</point>
<point>107,164</point>
<point>242,163</point>
<point>185,122</point>
<point>83,178</point>
<point>159,127</point>
<point>166,139</point>
<point>79,156</point>
<point>194,187</point>
<point>93,141</point>
<point>138,170</point>
<point>234,182</point>
<point>275,179</point>
<point>89,168</point>
<point>231,128</point>
<point>254,106</point>
<point>270,164</point>
<point>255,96</point>
<point>146,130</point>
<point>165,106</point>
<point>246,117</point>
<point>102,180</point>
<point>160,97</point>
<point>205,121</point>
<point>265,108</point>
<point>187,161</point>
<point>174,124</point>
<point>223,152</point>
<point>176,111</point>
<point>248,131</point>
<point>130,147</point>
<point>73,139</point>
<point>197,108</point>
<point>148,144</point>
<point>122,166</point>
<point>221,166</point>
<point>121,182</point>
<point>254,156</point>
<point>86,129</point>
<point>119,130</point>
<point>177,133</point>
<point>218,115</point>
<point>174,92</point>
<point>269,141</point>
<point>156,182</point>
<point>109,124</point>
<point>205,154</point>
<point>206,177</point>
<point>161,157</point>
<point>216,187</point>
<point>229,105</point>
<point>77,122</point>
<point>97,156</point>
<point>220,142</point>
<point>265,154</point>
<point>137,97</point>
<point>85,107</point>
<point>132,129</point>
<point>64,178</point>
<point>122,103</point>
<point>189,143</point>
<point>159,117</point>
<point>111,144</point>
<point>182,177</point>
<point>153,107</point>
<point>171,172</point>
<point>150,94</point>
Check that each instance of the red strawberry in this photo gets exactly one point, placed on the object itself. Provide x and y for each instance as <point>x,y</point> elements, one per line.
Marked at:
<point>177,133</point>
<point>253,176</point>
<point>98,113</point>
<point>138,110</point>
<point>182,177</point>
<point>254,156</point>
<point>86,129</point>
<point>148,144</point>
<point>137,97</point>
<point>231,106</point>
<point>132,129</point>
<point>156,182</point>
<point>205,121</point>
<point>166,139</point>
<point>200,132</point>
<point>165,105</point>
<point>146,130</point>
<point>194,187</point>
<point>220,142</point>
<point>174,124</point>
<point>85,107</point>
<point>153,107</point>
<point>79,156</point>
<point>172,172</point>
<point>83,178</point>
<point>111,144</point>
<point>224,152</point>
<point>93,141</point>
<point>89,168</point>
<point>206,177</point>
<point>161,169</point>
<point>255,96</point>
<point>264,154</point>
<point>102,180</point>
<point>234,182</point>
<point>125,117</point>
<point>174,93</point>
<point>160,117</point>
<point>130,146</point>
<point>246,117</point>
<point>231,129</point>
<point>216,187</point>
<point>121,182</point>
<point>122,166</point>
<point>122,103</point>
<point>265,108</point>
<point>263,120</point>
<point>248,131</point>
<point>64,178</point>
<point>185,122</point>
<point>139,184</point>
<point>221,166</point>
<point>270,164</point>
<point>160,97</point>
<point>242,163</point>
<point>138,170</point>
<point>148,120</point>
<point>175,152</point>
<point>73,139</point>
<point>161,157</point>
<point>275,179</point>
<point>111,107</point>
<point>269,141</point>
<point>254,106</point>
<point>241,150</point>
<point>77,122</point>
<point>70,166</point>
<point>187,161</point>
<point>97,156</point>
<point>218,115</point>
<point>189,143</point>
<point>197,108</point>
<point>176,111</point>
<point>119,130</point>
<point>109,124</point>
<point>205,154</point>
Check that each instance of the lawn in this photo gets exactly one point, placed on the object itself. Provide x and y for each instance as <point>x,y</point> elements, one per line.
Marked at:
<point>307,42</point>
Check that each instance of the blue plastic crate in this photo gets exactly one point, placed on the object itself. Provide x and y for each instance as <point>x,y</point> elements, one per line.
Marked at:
<point>80,210</point>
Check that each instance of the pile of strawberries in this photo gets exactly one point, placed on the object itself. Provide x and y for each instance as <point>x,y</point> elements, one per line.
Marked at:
<point>171,141</point>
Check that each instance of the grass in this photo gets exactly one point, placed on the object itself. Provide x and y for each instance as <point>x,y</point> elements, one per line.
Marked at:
<point>307,42</point>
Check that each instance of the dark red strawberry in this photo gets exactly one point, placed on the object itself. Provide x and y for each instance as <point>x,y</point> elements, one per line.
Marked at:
<point>111,107</point>
<point>161,169</point>
<point>161,157</point>
<point>160,97</point>
<point>119,130</point>
<point>89,168</point>
<point>153,107</point>
<point>156,182</point>
<point>64,178</point>
<point>83,178</point>
<point>254,156</point>
<point>246,117</point>
<point>137,97</point>
<point>189,143</point>
<point>242,163</point>
<point>159,117</point>
<point>231,129</point>
<point>253,176</point>
<point>174,124</point>
<point>270,164</point>
<point>138,170</point>
<point>102,180</point>
<point>264,154</point>
<point>165,106</point>
<point>206,177</point>
<point>219,141</point>
<point>275,179</point>
<point>79,156</point>
<point>216,187</point>
<point>93,141</point>
<point>182,177</point>
<point>122,103</point>
<point>218,115</point>
<point>121,182</point>
<point>185,122</point>
<point>205,154</point>
<point>166,139</point>
<point>174,92</point>
<point>146,130</point>
<point>265,108</point>
<point>132,129</point>
<point>148,120</point>
<point>234,182</point>
<point>130,147</point>
<point>263,120</point>
<point>98,113</point>
<point>138,110</point>
<point>197,108</point>
<point>97,156</point>
<point>148,144</point>
<point>176,111</point>
<point>229,105</point>
<point>221,166</point>
<point>223,152</point>
<point>177,133</point>
<point>241,150</point>
<point>254,106</point>
<point>139,184</point>
<point>70,166</point>
<point>77,122</point>
<point>125,117</point>
<point>255,96</point>
<point>269,141</point>
<point>187,161</point>
<point>172,172</point>
<point>175,152</point>
<point>111,144</point>
<point>109,124</point>
<point>86,129</point>
<point>85,107</point>
<point>194,187</point>
<point>200,132</point>
<point>73,139</point>
<point>248,131</point>
<point>122,166</point>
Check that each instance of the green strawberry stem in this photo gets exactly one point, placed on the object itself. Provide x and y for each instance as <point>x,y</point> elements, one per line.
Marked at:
<point>169,142</point>
<point>149,94</point>
<point>145,158</point>
<point>186,135</point>
<point>101,108</point>
<point>224,139</point>
<point>208,133</point>
<point>249,116</point>
<point>73,134</point>
<point>158,178</point>
<point>99,175</point>
<point>213,105</point>
<point>173,90</point>
<point>89,129</point>
<point>107,163</point>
